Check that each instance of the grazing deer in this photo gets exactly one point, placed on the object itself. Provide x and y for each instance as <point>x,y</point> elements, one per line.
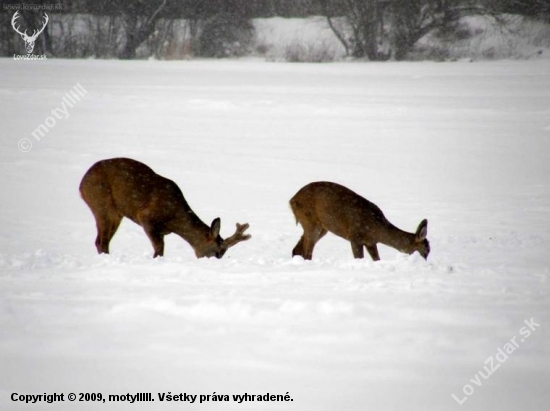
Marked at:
<point>321,207</point>
<point>122,187</point>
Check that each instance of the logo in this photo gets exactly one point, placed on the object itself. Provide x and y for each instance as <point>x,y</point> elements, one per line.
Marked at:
<point>29,40</point>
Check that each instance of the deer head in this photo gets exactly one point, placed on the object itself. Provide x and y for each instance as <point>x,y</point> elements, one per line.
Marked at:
<point>215,246</point>
<point>29,40</point>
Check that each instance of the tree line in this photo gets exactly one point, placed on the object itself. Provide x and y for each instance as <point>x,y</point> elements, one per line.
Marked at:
<point>373,29</point>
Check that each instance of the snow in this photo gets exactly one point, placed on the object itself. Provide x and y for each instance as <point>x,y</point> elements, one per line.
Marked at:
<point>464,145</point>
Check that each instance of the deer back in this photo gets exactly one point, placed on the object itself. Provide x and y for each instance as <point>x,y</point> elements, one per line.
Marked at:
<point>133,187</point>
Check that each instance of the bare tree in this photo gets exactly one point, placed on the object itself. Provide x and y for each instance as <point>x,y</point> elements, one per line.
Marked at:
<point>380,29</point>
<point>413,19</point>
<point>364,31</point>
<point>538,9</point>
<point>139,18</point>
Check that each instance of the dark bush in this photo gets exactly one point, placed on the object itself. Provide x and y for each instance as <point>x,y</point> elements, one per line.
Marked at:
<point>224,35</point>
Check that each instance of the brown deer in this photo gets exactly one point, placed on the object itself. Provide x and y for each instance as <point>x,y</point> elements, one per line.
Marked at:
<point>322,206</point>
<point>122,187</point>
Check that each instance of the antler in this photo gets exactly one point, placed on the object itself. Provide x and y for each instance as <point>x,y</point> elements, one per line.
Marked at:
<point>15,16</point>
<point>35,32</point>
<point>237,237</point>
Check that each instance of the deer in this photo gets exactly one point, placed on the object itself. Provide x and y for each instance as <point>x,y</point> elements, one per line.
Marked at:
<point>323,206</point>
<point>122,187</point>
<point>29,40</point>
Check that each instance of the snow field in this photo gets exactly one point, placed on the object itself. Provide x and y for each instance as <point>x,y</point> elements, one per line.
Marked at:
<point>464,145</point>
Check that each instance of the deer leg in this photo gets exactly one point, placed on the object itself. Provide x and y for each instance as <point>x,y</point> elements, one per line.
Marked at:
<point>373,251</point>
<point>357,249</point>
<point>156,238</point>
<point>107,224</point>
<point>322,233</point>
<point>299,248</point>
<point>310,238</point>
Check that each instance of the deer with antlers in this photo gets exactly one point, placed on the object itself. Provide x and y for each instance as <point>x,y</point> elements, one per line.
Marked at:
<point>29,40</point>
<point>122,187</point>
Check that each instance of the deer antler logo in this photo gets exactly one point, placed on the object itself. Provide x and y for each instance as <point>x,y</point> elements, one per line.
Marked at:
<point>29,40</point>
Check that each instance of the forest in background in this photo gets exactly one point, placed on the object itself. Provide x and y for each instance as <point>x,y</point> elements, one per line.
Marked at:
<point>374,30</point>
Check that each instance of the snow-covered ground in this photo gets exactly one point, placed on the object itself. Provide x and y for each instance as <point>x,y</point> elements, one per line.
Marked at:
<point>464,145</point>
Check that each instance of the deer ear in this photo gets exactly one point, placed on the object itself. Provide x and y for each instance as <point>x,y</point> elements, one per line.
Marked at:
<point>421,231</point>
<point>215,228</point>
